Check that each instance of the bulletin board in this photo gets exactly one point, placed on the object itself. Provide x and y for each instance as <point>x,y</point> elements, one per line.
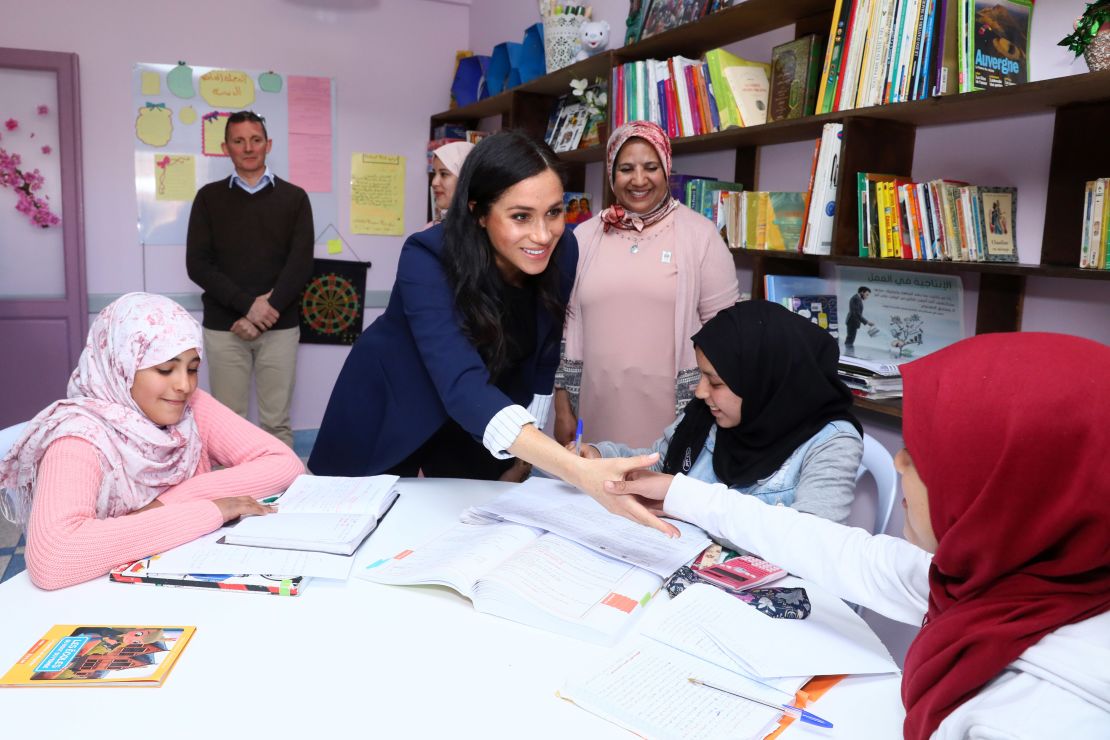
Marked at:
<point>179,113</point>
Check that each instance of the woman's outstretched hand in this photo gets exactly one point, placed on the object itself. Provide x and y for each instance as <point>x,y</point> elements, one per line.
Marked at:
<point>597,476</point>
<point>646,485</point>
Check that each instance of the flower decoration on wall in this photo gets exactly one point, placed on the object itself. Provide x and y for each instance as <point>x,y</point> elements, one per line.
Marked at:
<point>27,185</point>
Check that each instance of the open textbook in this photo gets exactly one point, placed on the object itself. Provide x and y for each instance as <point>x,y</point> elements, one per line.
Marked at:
<point>320,513</point>
<point>528,576</point>
<point>560,508</point>
<point>705,633</point>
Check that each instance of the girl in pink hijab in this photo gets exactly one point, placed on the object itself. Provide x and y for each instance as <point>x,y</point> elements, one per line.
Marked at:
<point>122,467</point>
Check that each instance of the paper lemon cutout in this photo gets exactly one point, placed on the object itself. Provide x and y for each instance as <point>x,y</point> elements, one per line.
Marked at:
<point>154,126</point>
<point>187,115</point>
<point>227,88</point>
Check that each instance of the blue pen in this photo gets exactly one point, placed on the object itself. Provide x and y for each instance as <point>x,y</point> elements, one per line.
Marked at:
<point>578,439</point>
<point>787,709</point>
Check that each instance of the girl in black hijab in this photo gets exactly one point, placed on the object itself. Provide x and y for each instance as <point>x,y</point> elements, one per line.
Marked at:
<point>771,418</point>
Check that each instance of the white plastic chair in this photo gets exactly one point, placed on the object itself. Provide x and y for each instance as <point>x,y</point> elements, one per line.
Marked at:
<point>878,461</point>
<point>10,436</point>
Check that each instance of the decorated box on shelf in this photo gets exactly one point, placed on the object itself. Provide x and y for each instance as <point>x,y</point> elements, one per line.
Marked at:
<point>531,63</point>
<point>469,85</point>
<point>505,58</point>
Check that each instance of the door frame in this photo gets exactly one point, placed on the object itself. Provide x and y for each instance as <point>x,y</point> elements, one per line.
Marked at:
<point>73,306</point>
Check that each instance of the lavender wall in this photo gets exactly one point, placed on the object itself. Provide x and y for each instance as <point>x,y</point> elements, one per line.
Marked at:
<point>392,61</point>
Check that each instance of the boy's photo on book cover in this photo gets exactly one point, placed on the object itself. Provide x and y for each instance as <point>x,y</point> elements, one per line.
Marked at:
<point>1001,42</point>
<point>107,652</point>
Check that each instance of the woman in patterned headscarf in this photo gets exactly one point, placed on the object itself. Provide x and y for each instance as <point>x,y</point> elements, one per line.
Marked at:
<point>122,467</point>
<point>650,273</point>
<point>447,162</point>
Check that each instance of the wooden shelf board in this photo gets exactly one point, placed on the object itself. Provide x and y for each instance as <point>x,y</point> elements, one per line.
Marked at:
<point>585,156</point>
<point>747,19</point>
<point>1028,99</point>
<point>886,406</point>
<point>1001,268</point>
<point>554,84</point>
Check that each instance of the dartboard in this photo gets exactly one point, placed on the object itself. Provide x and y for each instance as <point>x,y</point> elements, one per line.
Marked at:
<point>331,308</point>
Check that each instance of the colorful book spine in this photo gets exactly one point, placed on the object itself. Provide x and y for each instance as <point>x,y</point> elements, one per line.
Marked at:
<point>831,69</point>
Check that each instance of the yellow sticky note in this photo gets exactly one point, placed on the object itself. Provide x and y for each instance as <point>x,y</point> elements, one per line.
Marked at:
<point>175,177</point>
<point>377,194</point>
<point>212,134</point>
<point>335,246</point>
<point>152,83</point>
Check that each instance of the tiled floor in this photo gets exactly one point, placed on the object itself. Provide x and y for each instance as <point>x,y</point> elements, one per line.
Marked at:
<point>11,538</point>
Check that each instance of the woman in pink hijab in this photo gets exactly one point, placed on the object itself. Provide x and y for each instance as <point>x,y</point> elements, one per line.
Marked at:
<point>122,467</point>
<point>446,166</point>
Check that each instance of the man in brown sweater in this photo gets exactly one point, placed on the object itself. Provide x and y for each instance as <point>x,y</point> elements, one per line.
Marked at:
<point>250,248</point>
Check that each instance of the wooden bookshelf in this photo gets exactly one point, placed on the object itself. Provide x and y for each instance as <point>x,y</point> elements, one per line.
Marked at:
<point>875,139</point>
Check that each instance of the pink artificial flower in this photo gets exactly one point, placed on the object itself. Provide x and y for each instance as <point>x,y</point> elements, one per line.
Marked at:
<point>11,124</point>
<point>46,149</point>
<point>34,179</point>
<point>43,110</point>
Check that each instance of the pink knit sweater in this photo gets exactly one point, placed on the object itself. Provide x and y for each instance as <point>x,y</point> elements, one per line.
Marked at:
<point>67,544</point>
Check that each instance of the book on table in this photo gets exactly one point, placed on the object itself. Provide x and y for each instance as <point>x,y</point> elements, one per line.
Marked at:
<point>147,571</point>
<point>528,576</point>
<point>85,655</point>
<point>321,513</point>
<point>644,684</point>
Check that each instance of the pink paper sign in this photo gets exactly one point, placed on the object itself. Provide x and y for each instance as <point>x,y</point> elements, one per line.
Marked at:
<point>310,105</point>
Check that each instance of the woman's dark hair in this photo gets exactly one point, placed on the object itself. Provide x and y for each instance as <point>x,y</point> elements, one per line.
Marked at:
<point>496,164</point>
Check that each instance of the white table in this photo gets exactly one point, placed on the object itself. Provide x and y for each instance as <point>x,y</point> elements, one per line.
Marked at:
<point>351,660</point>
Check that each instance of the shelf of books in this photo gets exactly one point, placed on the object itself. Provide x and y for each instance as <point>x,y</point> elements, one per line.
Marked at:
<point>859,79</point>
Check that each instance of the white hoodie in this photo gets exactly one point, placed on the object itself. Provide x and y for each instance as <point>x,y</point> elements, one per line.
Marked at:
<point>1058,688</point>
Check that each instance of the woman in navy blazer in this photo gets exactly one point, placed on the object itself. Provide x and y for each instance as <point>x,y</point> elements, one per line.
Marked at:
<point>464,356</point>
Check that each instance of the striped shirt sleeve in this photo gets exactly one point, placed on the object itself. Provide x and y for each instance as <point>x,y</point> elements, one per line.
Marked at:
<point>504,428</point>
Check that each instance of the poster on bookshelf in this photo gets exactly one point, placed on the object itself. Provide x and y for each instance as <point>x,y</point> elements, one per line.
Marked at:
<point>893,316</point>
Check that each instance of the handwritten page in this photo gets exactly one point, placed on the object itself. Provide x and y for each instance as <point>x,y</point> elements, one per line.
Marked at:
<point>559,575</point>
<point>175,177</point>
<point>643,686</point>
<point>377,194</point>
<point>681,624</point>
<point>310,158</point>
<point>832,640</point>
<point>206,555</point>
<point>558,507</point>
<point>456,558</point>
<point>310,106</point>
<point>330,494</point>
<point>305,531</point>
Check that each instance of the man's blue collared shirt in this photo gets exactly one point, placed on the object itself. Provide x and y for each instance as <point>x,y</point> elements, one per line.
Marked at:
<point>266,179</point>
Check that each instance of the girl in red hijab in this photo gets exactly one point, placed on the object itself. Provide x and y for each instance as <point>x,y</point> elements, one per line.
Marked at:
<point>1006,478</point>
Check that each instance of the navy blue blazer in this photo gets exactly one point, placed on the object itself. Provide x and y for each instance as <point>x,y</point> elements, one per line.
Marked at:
<point>413,368</point>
